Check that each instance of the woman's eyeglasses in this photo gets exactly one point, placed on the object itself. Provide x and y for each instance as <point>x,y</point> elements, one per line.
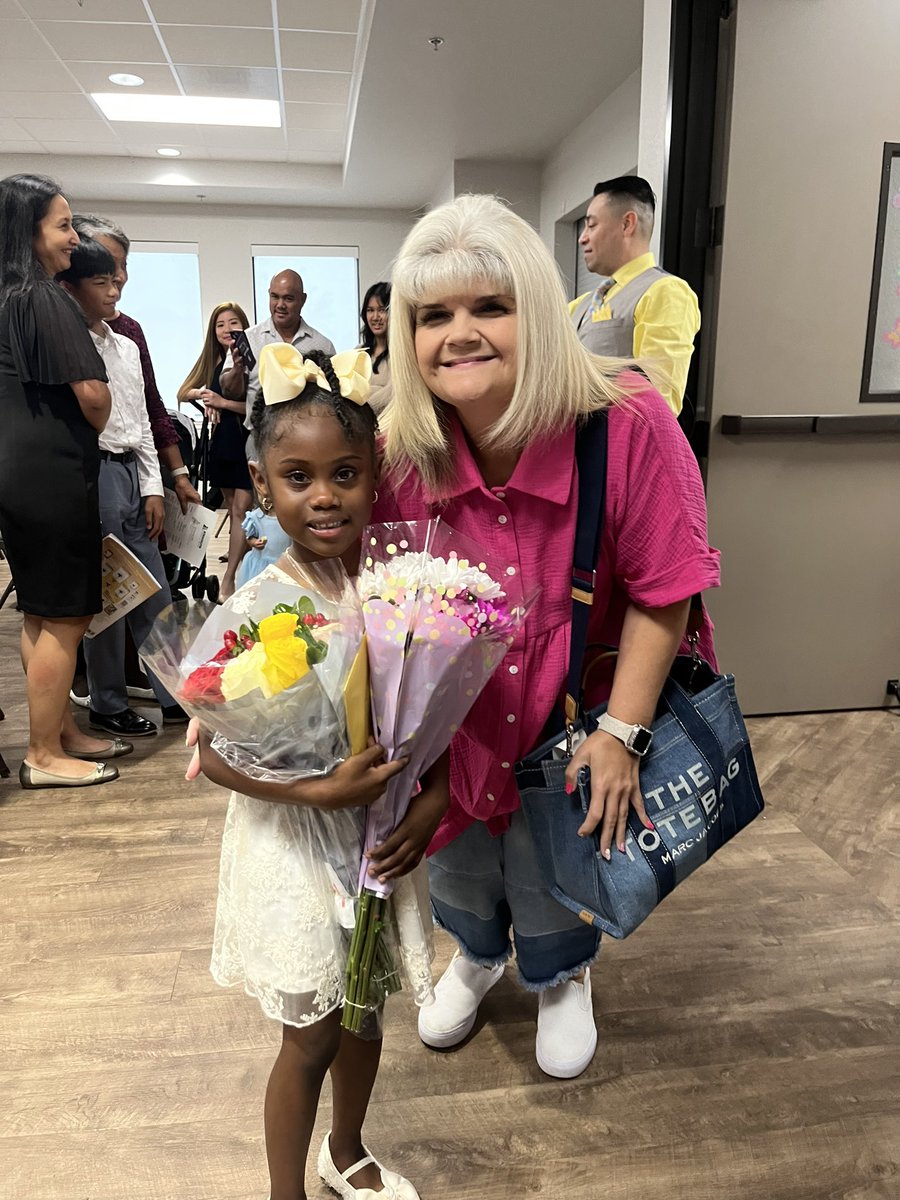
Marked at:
<point>376,312</point>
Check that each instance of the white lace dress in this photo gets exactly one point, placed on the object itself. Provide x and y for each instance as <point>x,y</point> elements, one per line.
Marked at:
<point>284,914</point>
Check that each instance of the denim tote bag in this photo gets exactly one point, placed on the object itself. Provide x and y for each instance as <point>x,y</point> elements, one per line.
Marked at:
<point>698,780</point>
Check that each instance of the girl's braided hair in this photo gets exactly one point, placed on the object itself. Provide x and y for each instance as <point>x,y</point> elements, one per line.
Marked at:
<point>358,421</point>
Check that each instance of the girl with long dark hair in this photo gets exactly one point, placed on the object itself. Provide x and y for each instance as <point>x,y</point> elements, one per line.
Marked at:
<point>374,340</point>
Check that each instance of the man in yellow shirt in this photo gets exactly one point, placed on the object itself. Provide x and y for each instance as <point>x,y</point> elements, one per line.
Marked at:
<point>638,310</point>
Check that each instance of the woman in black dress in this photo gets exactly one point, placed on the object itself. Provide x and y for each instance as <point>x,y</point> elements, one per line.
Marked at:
<point>227,463</point>
<point>53,402</point>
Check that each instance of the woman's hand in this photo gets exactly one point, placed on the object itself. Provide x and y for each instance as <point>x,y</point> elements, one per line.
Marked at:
<point>614,786</point>
<point>402,851</point>
<point>212,414</point>
<point>649,641</point>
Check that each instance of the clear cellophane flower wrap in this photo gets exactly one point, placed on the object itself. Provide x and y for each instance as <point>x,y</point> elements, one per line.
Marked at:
<point>277,674</point>
<point>439,617</point>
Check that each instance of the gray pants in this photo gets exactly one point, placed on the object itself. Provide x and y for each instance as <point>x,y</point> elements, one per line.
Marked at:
<point>122,514</point>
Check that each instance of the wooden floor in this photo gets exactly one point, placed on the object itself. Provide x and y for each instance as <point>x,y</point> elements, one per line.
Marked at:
<point>748,1033</point>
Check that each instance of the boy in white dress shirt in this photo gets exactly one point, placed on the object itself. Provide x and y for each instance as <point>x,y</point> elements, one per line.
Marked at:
<point>130,492</point>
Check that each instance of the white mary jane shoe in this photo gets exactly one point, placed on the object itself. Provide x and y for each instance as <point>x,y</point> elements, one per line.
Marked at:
<point>395,1186</point>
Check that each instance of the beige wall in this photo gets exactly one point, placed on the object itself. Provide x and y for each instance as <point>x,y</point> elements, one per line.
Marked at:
<point>809,615</point>
<point>653,134</point>
<point>603,145</point>
<point>516,182</point>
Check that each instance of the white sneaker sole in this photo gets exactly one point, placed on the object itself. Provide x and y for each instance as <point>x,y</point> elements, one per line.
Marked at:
<point>442,1040</point>
<point>566,1070</point>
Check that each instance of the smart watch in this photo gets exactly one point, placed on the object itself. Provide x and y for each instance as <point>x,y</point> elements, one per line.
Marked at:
<point>635,738</point>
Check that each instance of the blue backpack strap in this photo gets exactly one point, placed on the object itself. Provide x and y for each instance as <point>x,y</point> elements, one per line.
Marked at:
<point>590,455</point>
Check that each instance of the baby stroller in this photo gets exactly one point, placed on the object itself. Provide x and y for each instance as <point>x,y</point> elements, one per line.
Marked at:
<point>194,455</point>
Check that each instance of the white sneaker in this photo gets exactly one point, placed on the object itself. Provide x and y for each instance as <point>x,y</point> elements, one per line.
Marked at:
<point>457,995</point>
<point>566,1033</point>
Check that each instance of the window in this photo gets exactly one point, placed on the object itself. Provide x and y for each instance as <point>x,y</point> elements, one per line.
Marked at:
<point>330,277</point>
<point>163,294</point>
<point>881,364</point>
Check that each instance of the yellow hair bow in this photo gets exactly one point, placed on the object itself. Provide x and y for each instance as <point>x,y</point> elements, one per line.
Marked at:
<point>284,373</point>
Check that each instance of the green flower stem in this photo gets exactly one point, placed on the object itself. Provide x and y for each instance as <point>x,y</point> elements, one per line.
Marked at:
<point>370,971</point>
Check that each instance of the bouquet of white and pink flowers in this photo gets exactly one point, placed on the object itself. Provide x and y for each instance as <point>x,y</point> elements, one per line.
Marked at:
<point>277,675</point>
<point>439,618</point>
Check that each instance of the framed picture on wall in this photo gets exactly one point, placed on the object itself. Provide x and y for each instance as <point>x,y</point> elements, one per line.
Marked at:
<point>881,364</point>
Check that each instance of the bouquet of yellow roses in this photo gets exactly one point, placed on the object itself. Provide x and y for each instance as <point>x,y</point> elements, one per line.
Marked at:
<point>277,675</point>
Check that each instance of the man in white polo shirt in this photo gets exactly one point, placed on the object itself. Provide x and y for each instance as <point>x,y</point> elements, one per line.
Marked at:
<point>284,324</point>
<point>130,492</point>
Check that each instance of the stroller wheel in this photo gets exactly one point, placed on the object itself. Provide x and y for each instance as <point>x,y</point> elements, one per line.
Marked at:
<point>212,588</point>
<point>198,587</point>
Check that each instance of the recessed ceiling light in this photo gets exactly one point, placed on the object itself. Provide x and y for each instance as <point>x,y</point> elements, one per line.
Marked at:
<point>169,152</point>
<point>188,110</point>
<point>125,80</point>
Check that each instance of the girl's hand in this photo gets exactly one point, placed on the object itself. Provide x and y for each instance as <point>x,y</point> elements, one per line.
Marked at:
<point>191,737</point>
<point>402,851</point>
<point>614,786</point>
<point>360,780</point>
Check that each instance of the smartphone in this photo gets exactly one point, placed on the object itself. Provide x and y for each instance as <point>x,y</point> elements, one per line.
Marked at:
<point>242,344</point>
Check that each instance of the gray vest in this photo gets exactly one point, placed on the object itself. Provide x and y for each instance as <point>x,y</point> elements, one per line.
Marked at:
<point>615,337</point>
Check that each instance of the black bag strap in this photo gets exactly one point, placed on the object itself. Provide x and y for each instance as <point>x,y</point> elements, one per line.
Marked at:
<point>590,455</point>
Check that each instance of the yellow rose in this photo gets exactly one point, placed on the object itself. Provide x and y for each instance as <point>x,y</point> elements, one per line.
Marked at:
<point>286,662</point>
<point>246,672</point>
<point>279,625</point>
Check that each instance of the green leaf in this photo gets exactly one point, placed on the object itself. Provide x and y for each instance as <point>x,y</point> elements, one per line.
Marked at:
<point>316,653</point>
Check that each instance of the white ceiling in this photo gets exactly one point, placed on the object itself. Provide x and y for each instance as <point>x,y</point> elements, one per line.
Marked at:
<point>372,115</point>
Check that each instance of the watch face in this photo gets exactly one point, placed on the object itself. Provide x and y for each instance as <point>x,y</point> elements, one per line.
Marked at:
<point>639,742</point>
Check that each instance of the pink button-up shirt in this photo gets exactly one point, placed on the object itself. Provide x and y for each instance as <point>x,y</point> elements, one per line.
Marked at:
<point>654,552</point>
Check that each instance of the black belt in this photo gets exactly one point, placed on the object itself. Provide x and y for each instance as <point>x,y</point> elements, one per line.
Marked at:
<point>126,457</point>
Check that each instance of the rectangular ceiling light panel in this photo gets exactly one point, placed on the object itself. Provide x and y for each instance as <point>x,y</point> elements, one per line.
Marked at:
<point>188,110</point>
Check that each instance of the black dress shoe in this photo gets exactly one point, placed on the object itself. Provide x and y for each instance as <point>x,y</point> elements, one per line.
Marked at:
<point>174,714</point>
<point>125,724</point>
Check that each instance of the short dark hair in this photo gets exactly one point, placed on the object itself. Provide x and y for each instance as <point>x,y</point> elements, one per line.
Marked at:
<point>631,192</point>
<point>24,201</point>
<point>627,187</point>
<point>89,258</point>
<point>358,421</point>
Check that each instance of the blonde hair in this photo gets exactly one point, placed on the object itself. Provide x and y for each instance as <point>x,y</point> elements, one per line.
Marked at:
<point>477,242</point>
<point>213,352</point>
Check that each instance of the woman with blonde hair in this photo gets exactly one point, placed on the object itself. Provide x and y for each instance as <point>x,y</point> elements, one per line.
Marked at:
<point>227,467</point>
<point>490,384</point>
